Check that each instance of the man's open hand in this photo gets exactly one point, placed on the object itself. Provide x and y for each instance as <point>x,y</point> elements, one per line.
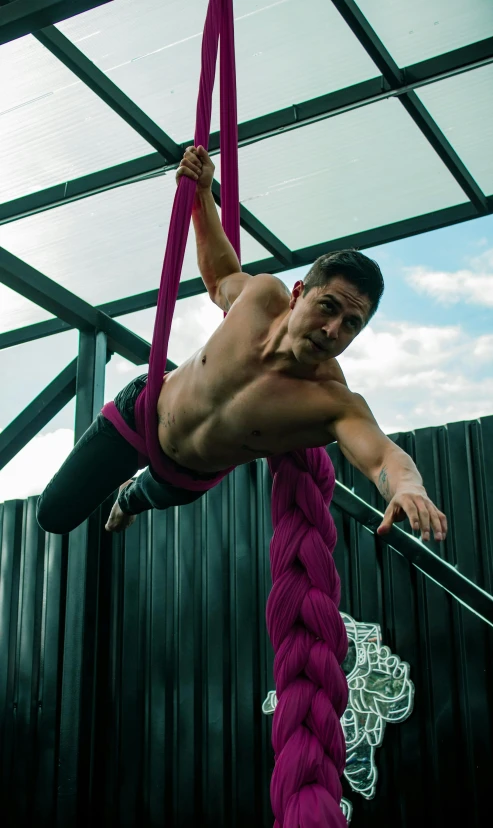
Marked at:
<point>197,165</point>
<point>422,513</point>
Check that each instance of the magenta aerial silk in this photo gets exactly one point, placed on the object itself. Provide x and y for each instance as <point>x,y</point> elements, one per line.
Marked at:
<point>303,621</point>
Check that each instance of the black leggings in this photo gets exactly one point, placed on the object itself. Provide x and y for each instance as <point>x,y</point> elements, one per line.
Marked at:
<point>100,462</point>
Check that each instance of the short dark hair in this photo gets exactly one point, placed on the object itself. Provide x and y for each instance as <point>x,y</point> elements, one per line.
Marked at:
<point>352,265</point>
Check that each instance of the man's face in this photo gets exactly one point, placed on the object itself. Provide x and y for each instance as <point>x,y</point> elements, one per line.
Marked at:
<point>325,321</point>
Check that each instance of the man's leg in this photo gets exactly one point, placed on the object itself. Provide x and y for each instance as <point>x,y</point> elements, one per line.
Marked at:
<point>147,491</point>
<point>96,466</point>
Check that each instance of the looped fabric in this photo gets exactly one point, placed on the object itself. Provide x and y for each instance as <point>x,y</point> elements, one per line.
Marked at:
<point>145,439</point>
<point>303,621</point>
<point>219,20</point>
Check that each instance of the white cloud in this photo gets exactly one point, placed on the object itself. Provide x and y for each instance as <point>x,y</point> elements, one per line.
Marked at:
<point>417,376</point>
<point>473,285</point>
<point>482,242</point>
<point>389,351</point>
<point>483,348</point>
<point>30,470</point>
<point>194,321</point>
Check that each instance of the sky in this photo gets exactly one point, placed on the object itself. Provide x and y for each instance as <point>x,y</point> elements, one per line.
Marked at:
<point>425,359</point>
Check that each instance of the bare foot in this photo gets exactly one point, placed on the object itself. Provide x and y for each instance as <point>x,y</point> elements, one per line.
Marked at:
<point>118,521</point>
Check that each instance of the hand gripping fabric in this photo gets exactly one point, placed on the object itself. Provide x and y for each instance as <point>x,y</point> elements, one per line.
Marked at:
<point>310,643</point>
<point>304,625</point>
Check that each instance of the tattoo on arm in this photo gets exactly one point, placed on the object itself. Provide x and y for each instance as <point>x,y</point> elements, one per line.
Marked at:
<point>383,484</point>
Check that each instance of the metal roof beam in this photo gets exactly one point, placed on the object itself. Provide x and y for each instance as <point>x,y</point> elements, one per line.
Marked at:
<point>367,238</point>
<point>448,64</point>
<point>22,17</point>
<point>418,112</point>
<point>304,256</point>
<point>77,313</point>
<point>257,129</point>
<point>118,307</point>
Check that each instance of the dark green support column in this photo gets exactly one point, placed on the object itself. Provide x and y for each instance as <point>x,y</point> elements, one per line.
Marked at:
<point>90,379</point>
<point>78,703</point>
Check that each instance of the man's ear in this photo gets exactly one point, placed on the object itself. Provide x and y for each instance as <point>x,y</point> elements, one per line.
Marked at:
<point>296,293</point>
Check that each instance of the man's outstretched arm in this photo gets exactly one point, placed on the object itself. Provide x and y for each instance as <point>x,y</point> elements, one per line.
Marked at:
<point>217,260</point>
<point>389,467</point>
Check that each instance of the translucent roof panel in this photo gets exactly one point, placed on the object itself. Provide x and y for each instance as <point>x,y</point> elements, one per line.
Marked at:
<point>17,312</point>
<point>413,30</point>
<point>462,106</point>
<point>52,127</point>
<point>109,245</point>
<point>363,169</point>
<point>28,368</point>
<point>287,51</point>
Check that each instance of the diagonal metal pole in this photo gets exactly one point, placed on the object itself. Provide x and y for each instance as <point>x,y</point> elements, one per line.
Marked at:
<point>75,60</point>
<point>38,413</point>
<point>56,299</point>
<point>394,76</point>
<point>170,152</point>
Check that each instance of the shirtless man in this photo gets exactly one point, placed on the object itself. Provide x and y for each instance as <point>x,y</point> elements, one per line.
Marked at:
<point>268,381</point>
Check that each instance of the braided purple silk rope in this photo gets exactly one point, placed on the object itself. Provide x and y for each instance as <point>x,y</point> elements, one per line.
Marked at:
<point>303,621</point>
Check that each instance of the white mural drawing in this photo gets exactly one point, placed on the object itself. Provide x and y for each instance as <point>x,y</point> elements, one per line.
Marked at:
<point>380,691</point>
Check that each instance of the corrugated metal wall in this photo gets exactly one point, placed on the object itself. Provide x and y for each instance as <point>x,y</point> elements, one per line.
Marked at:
<point>172,731</point>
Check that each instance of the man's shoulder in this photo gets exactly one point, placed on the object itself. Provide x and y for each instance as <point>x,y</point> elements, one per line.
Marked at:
<point>265,284</point>
<point>338,399</point>
<point>332,372</point>
<point>345,406</point>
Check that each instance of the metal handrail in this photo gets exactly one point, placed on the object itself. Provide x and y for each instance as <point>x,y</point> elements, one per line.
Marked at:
<point>470,595</point>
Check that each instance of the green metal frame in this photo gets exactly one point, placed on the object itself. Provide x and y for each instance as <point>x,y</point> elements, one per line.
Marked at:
<point>56,299</point>
<point>421,117</point>
<point>21,17</point>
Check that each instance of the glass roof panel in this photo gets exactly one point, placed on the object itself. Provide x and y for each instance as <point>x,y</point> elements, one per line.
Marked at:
<point>413,30</point>
<point>109,245</point>
<point>28,368</point>
<point>16,312</point>
<point>53,128</point>
<point>462,106</point>
<point>366,168</point>
<point>287,51</point>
